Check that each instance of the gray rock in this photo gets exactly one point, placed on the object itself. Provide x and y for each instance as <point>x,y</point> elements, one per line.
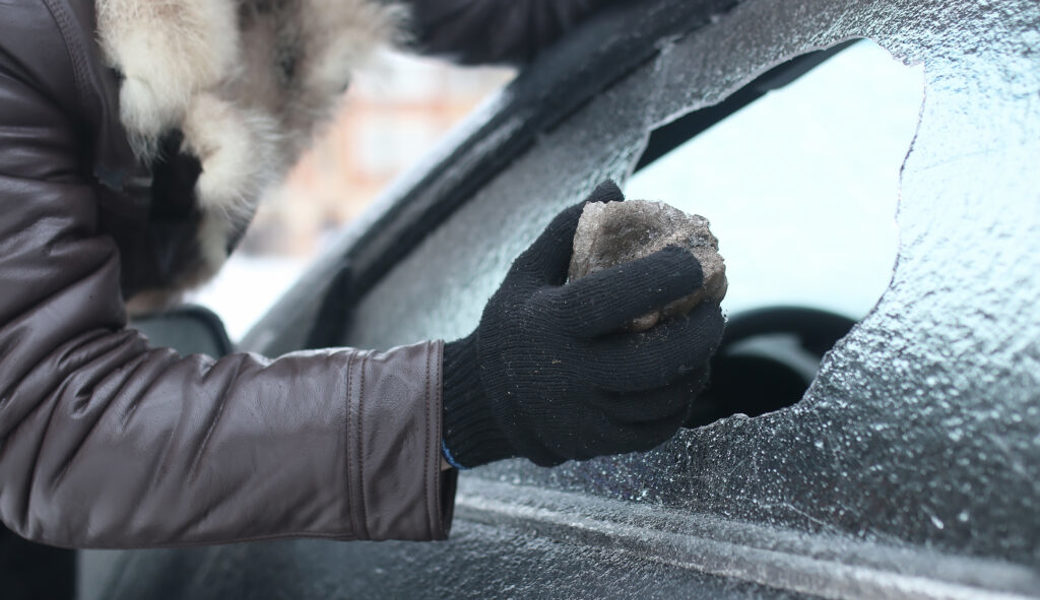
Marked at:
<point>614,233</point>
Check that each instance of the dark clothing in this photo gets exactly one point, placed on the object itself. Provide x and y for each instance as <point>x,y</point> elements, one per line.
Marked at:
<point>134,144</point>
<point>108,442</point>
<point>490,31</point>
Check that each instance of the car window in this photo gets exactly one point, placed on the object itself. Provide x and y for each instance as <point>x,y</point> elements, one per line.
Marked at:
<point>802,185</point>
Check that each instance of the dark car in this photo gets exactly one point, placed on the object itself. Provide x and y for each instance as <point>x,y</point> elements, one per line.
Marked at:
<point>878,391</point>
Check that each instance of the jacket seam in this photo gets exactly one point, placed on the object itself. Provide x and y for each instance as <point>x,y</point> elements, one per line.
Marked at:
<point>348,517</point>
<point>437,376</point>
<point>361,451</point>
<point>426,449</point>
<point>61,19</point>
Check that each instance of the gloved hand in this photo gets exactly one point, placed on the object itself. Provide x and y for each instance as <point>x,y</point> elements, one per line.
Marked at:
<point>550,375</point>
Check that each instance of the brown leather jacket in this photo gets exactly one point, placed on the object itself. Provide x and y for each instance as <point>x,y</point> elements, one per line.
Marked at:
<point>135,139</point>
<point>108,442</point>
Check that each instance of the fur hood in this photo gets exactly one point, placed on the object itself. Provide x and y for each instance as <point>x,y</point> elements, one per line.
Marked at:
<point>247,83</point>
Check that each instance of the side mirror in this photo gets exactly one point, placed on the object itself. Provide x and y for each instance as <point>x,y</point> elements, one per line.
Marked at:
<point>189,330</point>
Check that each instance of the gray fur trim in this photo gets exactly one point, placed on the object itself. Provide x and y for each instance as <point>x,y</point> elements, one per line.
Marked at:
<point>249,82</point>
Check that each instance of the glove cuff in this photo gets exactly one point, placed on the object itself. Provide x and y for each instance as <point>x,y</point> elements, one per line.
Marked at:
<point>472,436</point>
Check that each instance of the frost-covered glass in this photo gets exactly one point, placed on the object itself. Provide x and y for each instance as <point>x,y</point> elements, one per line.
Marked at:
<point>924,424</point>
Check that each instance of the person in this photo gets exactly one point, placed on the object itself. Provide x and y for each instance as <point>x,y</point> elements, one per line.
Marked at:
<point>135,139</point>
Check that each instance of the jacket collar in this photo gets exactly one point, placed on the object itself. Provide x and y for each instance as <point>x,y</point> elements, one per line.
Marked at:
<point>247,82</point>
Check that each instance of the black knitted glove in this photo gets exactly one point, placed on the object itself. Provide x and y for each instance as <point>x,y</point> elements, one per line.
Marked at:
<point>550,375</point>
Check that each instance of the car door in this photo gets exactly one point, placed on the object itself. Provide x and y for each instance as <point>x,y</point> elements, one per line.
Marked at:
<point>907,469</point>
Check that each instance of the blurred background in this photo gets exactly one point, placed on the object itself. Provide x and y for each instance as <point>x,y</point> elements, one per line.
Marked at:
<point>395,112</point>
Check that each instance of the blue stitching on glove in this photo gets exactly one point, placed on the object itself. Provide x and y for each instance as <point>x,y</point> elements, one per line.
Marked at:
<point>448,457</point>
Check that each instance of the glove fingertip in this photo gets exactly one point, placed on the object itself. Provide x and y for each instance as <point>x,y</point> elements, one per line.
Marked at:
<point>678,261</point>
<point>561,230</point>
<point>711,321</point>
<point>607,191</point>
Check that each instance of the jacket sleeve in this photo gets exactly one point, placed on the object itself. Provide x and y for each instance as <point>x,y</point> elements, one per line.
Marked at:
<point>494,31</point>
<point>107,442</point>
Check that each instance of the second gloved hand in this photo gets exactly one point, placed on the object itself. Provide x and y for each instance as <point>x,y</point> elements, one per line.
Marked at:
<point>550,374</point>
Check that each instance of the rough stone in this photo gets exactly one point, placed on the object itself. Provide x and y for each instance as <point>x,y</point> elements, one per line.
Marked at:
<point>614,233</point>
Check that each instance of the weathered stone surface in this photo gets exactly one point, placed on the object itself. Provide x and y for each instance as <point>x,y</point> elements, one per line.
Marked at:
<point>614,233</point>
